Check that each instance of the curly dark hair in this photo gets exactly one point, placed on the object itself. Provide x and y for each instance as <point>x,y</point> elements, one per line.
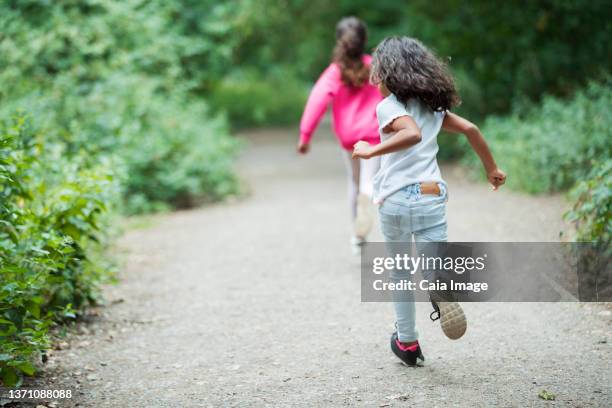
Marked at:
<point>351,37</point>
<point>409,70</point>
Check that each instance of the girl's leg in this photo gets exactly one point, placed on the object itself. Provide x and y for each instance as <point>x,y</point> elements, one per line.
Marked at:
<point>352,171</point>
<point>367,171</point>
<point>405,316</point>
<point>365,208</point>
<point>395,225</point>
<point>430,226</point>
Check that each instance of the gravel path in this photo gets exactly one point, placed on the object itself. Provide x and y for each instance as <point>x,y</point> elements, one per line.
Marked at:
<point>257,302</point>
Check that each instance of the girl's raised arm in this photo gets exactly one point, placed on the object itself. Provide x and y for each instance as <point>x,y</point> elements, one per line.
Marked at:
<point>454,123</point>
<point>323,92</point>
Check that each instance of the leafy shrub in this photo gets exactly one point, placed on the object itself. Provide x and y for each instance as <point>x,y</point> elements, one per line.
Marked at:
<point>180,157</point>
<point>549,48</point>
<point>550,147</point>
<point>108,85</point>
<point>111,80</point>
<point>510,52</point>
<point>169,151</point>
<point>248,99</point>
<point>53,224</point>
<point>592,209</point>
<point>592,218</point>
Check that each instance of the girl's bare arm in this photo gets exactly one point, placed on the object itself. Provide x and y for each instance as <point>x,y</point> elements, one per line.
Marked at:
<point>407,134</point>
<point>454,123</point>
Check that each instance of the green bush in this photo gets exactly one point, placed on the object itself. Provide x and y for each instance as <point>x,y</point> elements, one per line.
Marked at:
<point>551,146</point>
<point>592,209</point>
<point>53,227</point>
<point>170,151</point>
<point>248,99</point>
<point>510,52</point>
<point>112,80</point>
<point>181,157</point>
<point>115,124</point>
<point>515,52</point>
<point>591,215</point>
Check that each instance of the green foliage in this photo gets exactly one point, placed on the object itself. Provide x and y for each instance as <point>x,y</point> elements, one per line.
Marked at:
<point>546,395</point>
<point>53,226</point>
<point>551,147</point>
<point>170,152</point>
<point>88,39</point>
<point>500,52</point>
<point>111,88</point>
<point>592,210</point>
<point>591,215</point>
<point>511,52</point>
<point>179,158</point>
<point>112,79</point>
<point>250,100</point>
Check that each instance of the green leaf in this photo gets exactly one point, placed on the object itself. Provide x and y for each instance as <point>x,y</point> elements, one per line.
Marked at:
<point>10,378</point>
<point>26,367</point>
<point>34,309</point>
<point>547,396</point>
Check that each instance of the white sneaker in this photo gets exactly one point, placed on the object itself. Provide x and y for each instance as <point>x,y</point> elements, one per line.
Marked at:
<point>357,244</point>
<point>365,215</point>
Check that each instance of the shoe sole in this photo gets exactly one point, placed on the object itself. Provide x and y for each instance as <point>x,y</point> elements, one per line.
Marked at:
<point>452,320</point>
<point>418,364</point>
<point>364,218</point>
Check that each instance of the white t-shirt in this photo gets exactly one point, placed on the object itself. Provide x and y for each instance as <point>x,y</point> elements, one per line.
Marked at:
<point>416,164</point>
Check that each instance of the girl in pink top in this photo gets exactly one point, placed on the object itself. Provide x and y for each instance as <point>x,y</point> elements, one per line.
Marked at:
<point>344,85</point>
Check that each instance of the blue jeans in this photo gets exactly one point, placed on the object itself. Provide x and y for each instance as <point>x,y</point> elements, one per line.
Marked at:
<point>405,215</point>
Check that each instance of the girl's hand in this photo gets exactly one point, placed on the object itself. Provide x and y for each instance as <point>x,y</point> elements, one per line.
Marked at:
<point>362,150</point>
<point>303,148</point>
<point>496,177</point>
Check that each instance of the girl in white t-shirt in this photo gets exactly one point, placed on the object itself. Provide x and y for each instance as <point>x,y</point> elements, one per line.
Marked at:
<point>419,93</point>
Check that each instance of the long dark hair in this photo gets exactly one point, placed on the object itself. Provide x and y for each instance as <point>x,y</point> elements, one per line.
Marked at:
<point>410,70</point>
<point>351,37</point>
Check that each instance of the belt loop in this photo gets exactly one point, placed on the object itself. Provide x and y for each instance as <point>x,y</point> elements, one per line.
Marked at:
<point>418,191</point>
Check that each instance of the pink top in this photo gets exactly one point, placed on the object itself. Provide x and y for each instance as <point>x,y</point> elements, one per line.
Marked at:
<point>354,109</point>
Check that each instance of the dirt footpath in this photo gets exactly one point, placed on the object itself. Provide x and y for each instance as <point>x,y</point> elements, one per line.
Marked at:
<point>257,303</point>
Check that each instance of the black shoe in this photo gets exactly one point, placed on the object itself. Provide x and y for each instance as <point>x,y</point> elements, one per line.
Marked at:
<point>408,357</point>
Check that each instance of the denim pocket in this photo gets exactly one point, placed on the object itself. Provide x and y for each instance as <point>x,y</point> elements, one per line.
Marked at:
<point>430,215</point>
